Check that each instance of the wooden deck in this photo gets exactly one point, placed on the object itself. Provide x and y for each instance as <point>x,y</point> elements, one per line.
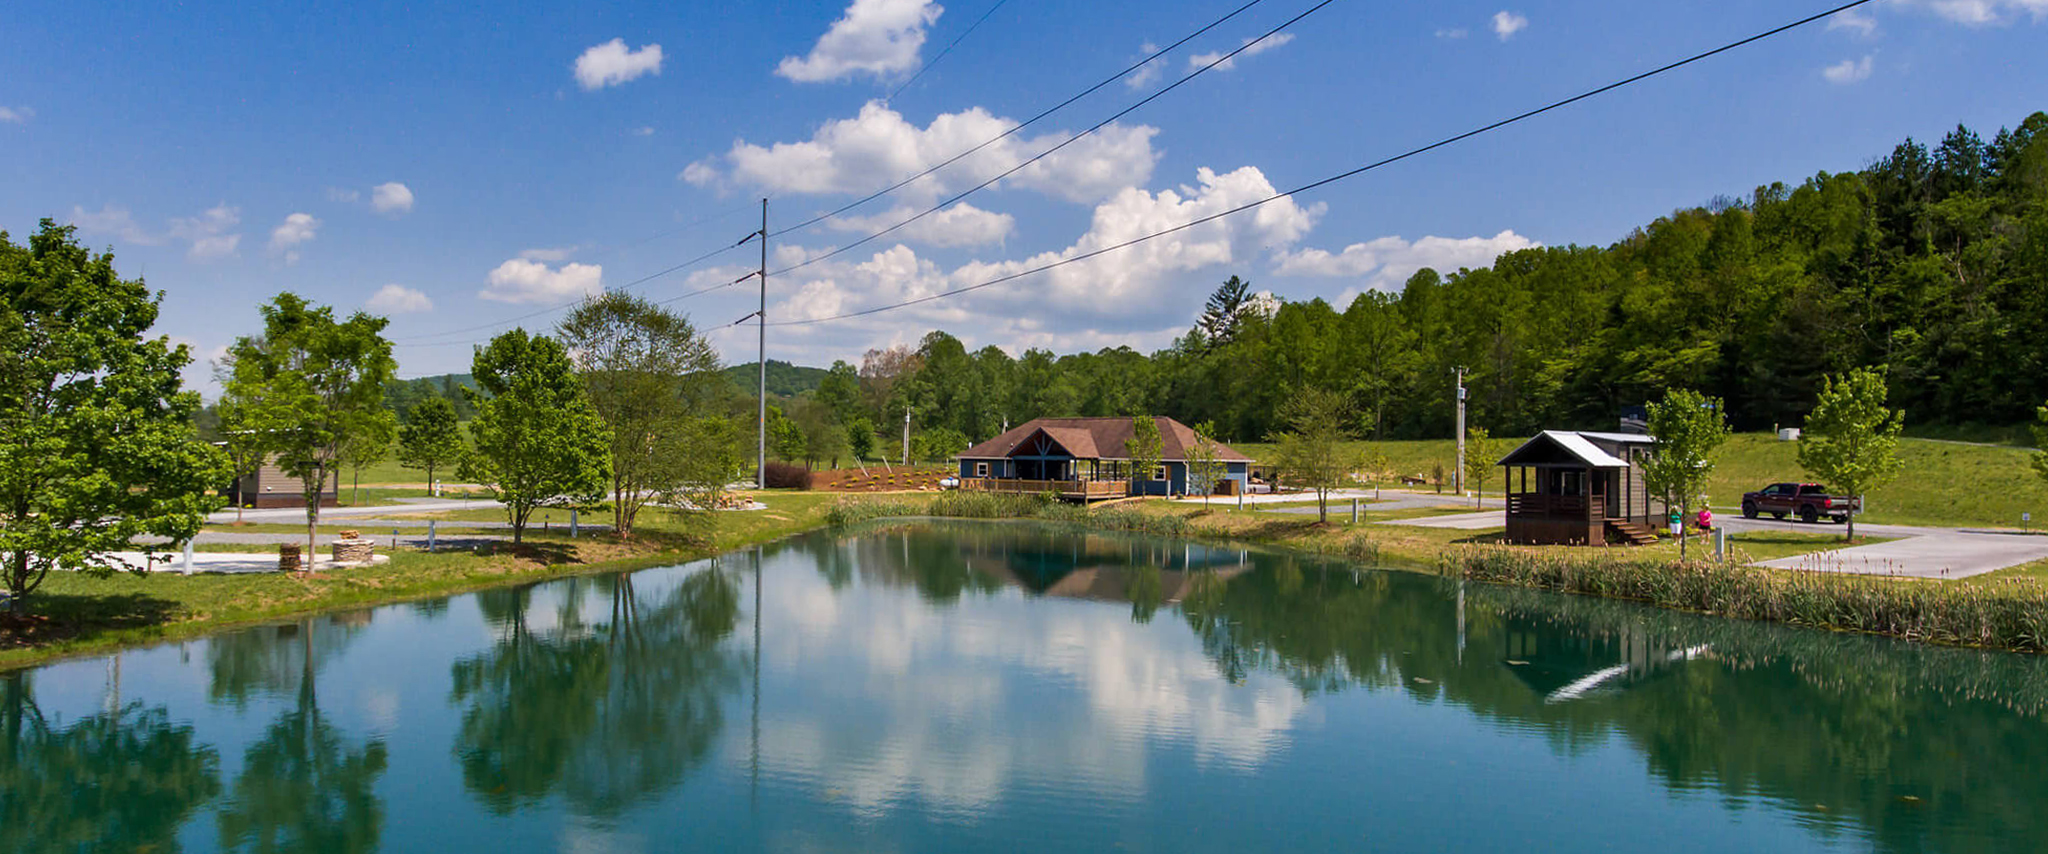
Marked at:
<point>1084,490</point>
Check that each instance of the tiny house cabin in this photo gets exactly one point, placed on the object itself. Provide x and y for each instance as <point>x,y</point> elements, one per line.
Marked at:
<point>270,487</point>
<point>1572,488</point>
<point>1085,459</point>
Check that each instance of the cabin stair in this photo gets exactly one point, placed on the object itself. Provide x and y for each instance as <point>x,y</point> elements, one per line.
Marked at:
<point>1632,533</point>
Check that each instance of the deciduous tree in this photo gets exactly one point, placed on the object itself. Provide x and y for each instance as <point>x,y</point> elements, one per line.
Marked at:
<point>431,439</point>
<point>1851,440</point>
<point>96,438</point>
<point>1143,450</point>
<point>309,385</point>
<point>539,442</point>
<point>1481,453</point>
<point>1313,452</point>
<point>1205,463</point>
<point>1689,428</point>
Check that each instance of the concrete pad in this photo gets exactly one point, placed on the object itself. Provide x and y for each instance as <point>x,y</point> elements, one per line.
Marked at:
<point>233,563</point>
<point>1943,554</point>
<point>1463,521</point>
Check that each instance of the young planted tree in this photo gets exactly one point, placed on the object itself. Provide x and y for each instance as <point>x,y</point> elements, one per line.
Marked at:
<point>365,449</point>
<point>309,386</point>
<point>1851,440</point>
<point>1481,453</point>
<point>715,452</point>
<point>539,442</point>
<point>430,439</point>
<point>242,445</point>
<point>646,369</point>
<point>1143,449</point>
<point>1313,451</point>
<point>785,436</point>
<point>1689,428</point>
<point>1205,462</point>
<point>860,438</point>
<point>96,438</point>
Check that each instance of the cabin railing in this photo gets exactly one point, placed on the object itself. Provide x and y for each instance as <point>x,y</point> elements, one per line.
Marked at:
<point>1062,488</point>
<point>1537,506</point>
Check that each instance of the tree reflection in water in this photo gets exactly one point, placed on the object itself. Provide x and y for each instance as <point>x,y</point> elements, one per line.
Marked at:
<point>303,786</point>
<point>1923,748</point>
<point>608,713</point>
<point>122,780</point>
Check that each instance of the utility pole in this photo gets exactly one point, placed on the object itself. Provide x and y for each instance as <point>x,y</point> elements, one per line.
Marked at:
<point>906,436</point>
<point>761,458</point>
<point>1458,477</point>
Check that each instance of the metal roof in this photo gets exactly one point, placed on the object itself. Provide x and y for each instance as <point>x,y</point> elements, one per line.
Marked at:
<point>1575,444</point>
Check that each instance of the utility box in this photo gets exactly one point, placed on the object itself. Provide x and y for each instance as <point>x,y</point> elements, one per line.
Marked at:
<point>1788,434</point>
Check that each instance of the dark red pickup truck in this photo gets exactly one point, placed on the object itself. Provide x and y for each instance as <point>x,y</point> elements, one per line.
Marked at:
<point>1808,501</point>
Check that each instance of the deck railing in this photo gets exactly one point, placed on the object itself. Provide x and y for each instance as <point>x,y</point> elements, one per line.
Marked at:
<point>1538,506</point>
<point>1062,488</point>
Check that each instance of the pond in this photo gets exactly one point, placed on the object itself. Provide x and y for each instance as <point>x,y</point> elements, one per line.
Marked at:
<point>955,686</point>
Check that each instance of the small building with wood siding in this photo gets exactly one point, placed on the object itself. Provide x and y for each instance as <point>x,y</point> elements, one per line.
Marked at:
<point>1086,459</point>
<point>270,487</point>
<point>1572,488</point>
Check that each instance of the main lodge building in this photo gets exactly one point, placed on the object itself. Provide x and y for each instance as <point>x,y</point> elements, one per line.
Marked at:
<point>1086,459</point>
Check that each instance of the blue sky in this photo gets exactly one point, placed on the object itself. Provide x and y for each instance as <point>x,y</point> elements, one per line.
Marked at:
<point>456,168</point>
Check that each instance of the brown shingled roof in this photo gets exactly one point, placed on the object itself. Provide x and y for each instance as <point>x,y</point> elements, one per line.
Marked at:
<point>1098,438</point>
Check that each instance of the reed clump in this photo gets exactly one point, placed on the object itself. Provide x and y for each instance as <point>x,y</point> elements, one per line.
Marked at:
<point>2011,614</point>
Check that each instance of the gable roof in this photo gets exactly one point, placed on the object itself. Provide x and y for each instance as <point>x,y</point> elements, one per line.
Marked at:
<point>1098,439</point>
<point>1575,445</point>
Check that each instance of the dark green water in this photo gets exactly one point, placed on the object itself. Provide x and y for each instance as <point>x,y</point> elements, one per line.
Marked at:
<point>993,687</point>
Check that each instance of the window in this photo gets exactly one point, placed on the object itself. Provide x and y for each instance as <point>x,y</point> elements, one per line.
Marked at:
<point>981,469</point>
<point>1158,472</point>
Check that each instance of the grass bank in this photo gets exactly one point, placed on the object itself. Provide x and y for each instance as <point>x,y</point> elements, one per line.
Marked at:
<point>74,614</point>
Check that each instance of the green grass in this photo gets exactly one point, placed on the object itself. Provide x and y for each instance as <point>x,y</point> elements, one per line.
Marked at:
<point>1942,483</point>
<point>75,614</point>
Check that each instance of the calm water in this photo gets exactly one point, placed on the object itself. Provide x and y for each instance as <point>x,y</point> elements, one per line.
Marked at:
<point>961,687</point>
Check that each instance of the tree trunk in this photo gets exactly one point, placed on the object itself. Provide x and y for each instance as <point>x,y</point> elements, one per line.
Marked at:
<point>312,497</point>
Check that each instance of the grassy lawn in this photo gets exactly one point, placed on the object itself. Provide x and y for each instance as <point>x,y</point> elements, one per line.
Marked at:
<point>367,526</point>
<point>75,614</point>
<point>1942,483</point>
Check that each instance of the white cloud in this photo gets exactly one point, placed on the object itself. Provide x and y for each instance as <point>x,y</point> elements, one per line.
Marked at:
<point>393,198</point>
<point>960,225</point>
<point>878,148</point>
<point>643,131</point>
<point>1453,33</point>
<point>1506,24</point>
<point>1386,263</point>
<point>296,229</point>
<point>522,280</point>
<point>116,221</point>
<point>16,115</point>
<point>1148,72</point>
<point>1202,59</point>
<point>1848,71</point>
<point>1982,13</point>
<point>337,194</point>
<point>1864,26</point>
<point>399,299</point>
<point>209,233</point>
<point>611,64</point>
<point>877,37</point>
<point>551,255</point>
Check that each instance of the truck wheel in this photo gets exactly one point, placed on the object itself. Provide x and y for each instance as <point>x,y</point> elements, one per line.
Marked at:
<point>1807,514</point>
<point>1748,509</point>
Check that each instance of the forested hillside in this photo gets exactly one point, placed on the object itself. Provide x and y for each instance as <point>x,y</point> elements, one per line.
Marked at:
<point>784,379</point>
<point>1931,262</point>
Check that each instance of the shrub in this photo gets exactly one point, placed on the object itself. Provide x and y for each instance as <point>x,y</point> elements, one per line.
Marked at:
<point>788,476</point>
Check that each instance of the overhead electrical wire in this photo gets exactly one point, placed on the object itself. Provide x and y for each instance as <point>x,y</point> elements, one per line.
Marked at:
<point>419,340</point>
<point>948,49</point>
<point>1063,144</point>
<point>1339,176</point>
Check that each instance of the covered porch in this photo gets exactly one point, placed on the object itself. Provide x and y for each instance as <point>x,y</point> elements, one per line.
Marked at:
<point>1565,489</point>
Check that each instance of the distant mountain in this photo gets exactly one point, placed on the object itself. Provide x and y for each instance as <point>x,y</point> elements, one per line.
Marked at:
<point>402,395</point>
<point>784,379</point>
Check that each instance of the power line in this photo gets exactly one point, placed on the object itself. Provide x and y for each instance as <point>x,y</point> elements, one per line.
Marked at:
<point>1341,175</point>
<point>942,54</point>
<point>1063,144</point>
<point>1020,126</point>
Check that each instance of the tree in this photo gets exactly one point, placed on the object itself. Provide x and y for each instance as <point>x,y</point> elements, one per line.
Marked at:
<point>309,385</point>
<point>1689,428</point>
<point>1223,310</point>
<point>839,392</point>
<point>937,444</point>
<point>1851,440</point>
<point>539,442</point>
<point>242,446</point>
<point>1481,453</point>
<point>431,439</point>
<point>1143,449</point>
<point>1205,463</point>
<point>785,437</point>
<point>96,437</point>
<point>860,437</point>
<point>1313,451</point>
<point>645,369</point>
<point>366,449</point>
<point>2040,457</point>
<point>824,439</point>
<point>715,452</point>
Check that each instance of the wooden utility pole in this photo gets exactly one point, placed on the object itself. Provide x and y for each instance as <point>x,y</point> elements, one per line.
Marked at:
<point>761,457</point>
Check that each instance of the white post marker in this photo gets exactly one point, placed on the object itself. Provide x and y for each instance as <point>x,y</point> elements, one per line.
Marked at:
<point>1720,543</point>
<point>573,525</point>
<point>1354,511</point>
<point>188,557</point>
<point>430,535</point>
